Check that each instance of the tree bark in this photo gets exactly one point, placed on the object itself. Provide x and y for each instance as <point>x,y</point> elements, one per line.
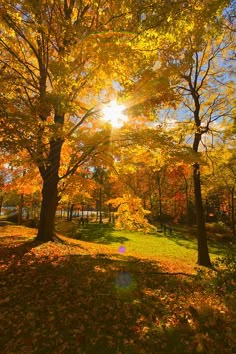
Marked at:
<point>50,193</point>
<point>71,211</point>
<point>100,206</point>
<point>1,202</point>
<point>48,211</point>
<point>68,212</point>
<point>82,210</point>
<point>203,253</point>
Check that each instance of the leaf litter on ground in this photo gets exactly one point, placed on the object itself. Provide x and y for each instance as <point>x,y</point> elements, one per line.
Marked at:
<point>81,297</point>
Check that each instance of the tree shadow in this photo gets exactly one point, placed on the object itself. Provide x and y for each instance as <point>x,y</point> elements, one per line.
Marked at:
<point>97,234</point>
<point>13,249</point>
<point>77,303</point>
<point>4,222</point>
<point>190,242</point>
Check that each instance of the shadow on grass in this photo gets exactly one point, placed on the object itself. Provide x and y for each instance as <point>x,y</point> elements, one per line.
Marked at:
<point>188,238</point>
<point>103,234</point>
<point>4,222</point>
<point>98,234</point>
<point>88,304</point>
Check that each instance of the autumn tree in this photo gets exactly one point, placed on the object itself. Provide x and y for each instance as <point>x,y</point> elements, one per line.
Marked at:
<point>20,177</point>
<point>76,191</point>
<point>57,56</point>
<point>147,166</point>
<point>198,72</point>
<point>208,102</point>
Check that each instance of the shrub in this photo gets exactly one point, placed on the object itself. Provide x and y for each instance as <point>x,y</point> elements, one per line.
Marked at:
<point>218,227</point>
<point>224,277</point>
<point>12,217</point>
<point>31,222</point>
<point>130,214</point>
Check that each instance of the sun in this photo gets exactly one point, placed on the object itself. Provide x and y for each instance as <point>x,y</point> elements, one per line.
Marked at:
<point>112,113</point>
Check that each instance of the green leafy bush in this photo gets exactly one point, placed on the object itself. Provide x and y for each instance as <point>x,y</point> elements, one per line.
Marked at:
<point>224,277</point>
<point>218,227</point>
<point>12,216</point>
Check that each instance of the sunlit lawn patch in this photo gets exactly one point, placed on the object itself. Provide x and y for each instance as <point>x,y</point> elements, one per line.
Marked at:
<point>178,249</point>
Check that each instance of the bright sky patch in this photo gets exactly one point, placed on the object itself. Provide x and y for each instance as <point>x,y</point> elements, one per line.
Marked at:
<point>112,113</point>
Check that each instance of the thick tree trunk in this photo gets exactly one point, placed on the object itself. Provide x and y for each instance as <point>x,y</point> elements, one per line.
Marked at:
<point>48,211</point>
<point>50,193</point>
<point>203,253</point>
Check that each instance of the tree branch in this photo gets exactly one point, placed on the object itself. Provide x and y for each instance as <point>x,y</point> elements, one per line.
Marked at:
<point>87,114</point>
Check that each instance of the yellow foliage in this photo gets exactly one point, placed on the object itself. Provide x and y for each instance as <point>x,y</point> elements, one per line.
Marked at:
<point>131,214</point>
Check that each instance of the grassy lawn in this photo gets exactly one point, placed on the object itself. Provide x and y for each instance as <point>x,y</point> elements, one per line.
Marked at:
<point>104,291</point>
<point>179,247</point>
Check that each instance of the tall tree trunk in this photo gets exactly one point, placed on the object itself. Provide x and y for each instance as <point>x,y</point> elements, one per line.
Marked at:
<point>1,202</point>
<point>50,193</point>
<point>203,253</point>
<point>195,78</point>
<point>68,212</point>
<point>100,206</point>
<point>28,213</point>
<point>71,211</point>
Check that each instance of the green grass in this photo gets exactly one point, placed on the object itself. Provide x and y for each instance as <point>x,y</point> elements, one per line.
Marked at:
<point>180,246</point>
